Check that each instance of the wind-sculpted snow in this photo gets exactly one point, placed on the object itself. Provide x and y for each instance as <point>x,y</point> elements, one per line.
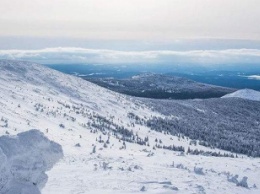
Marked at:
<point>24,160</point>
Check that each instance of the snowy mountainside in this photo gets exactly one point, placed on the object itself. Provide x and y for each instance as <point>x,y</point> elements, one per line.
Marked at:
<point>245,94</point>
<point>107,148</point>
<point>227,123</point>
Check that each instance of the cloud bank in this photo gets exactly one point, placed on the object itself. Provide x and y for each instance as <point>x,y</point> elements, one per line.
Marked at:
<point>71,55</point>
<point>255,77</point>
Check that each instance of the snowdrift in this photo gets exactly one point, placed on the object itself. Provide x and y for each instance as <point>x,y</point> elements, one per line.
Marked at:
<point>24,160</point>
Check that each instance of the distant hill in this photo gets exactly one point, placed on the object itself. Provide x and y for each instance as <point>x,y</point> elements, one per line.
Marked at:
<point>161,86</point>
<point>245,94</point>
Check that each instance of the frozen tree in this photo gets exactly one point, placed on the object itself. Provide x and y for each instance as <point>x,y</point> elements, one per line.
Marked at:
<point>198,170</point>
<point>233,179</point>
<point>243,182</point>
<point>94,150</point>
<point>143,189</point>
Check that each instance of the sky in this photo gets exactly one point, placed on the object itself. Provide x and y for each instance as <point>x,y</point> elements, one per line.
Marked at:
<point>71,55</point>
<point>131,19</point>
<point>193,26</point>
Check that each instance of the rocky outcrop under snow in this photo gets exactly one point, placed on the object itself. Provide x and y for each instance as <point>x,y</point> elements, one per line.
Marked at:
<point>24,160</point>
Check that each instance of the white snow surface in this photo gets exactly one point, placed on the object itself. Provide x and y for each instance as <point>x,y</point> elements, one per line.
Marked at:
<point>24,160</point>
<point>248,94</point>
<point>34,96</point>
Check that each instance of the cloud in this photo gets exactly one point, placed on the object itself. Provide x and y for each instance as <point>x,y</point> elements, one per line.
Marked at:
<point>255,77</point>
<point>71,55</point>
<point>132,19</point>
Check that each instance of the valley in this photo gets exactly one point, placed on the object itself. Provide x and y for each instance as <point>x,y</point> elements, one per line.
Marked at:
<point>160,86</point>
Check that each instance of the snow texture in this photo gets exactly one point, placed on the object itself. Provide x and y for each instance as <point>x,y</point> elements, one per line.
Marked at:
<point>24,160</point>
<point>248,94</point>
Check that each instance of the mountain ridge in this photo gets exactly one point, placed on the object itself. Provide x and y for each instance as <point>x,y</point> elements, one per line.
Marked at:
<point>107,146</point>
<point>160,86</point>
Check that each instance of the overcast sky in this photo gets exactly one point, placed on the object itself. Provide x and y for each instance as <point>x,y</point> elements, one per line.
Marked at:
<point>131,31</point>
<point>158,20</point>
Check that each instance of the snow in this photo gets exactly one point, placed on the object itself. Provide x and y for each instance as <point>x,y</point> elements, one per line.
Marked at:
<point>245,94</point>
<point>24,160</point>
<point>35,97</point>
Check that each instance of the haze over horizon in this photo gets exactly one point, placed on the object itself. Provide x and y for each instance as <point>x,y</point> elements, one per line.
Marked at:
<point>116,31</point>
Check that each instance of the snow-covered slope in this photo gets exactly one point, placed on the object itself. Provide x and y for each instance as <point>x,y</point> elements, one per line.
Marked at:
<point>245,94</point>
<point>92,124</point>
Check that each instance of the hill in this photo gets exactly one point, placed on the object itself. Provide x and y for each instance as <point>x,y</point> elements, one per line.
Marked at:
<point>161,86</point>
<point>109,143</point>
<point>245,94</point>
